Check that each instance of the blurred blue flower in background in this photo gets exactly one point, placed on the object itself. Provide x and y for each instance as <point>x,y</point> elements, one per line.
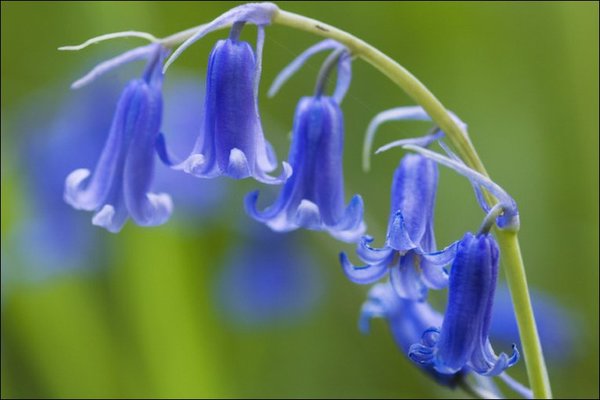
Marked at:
<point>59,136</point>
<point>557,326</point>
<point>267,278</point>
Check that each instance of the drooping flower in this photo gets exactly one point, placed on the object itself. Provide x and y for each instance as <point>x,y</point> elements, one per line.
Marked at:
<point>407,320</point>
<point>313,198</point>
<point>268,279</point>
<point>409,253</point>
<point>231,140</point>
<point>462,341</point>
<point>119,186</point>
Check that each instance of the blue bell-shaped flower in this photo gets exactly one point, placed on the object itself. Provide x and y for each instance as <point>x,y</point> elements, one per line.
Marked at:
<point>409,253</point>
<point>119,186</point>
<point>463,338</point>
<point>313,198</point>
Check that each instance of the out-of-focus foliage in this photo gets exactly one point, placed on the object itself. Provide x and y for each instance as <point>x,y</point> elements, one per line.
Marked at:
<point>145,322</point>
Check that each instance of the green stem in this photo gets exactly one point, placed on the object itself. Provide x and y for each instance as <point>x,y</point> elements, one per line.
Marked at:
<point>517,284</point>
<point>508,242</point>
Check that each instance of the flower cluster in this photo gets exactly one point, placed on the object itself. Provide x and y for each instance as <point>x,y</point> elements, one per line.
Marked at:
<point>231,143</point>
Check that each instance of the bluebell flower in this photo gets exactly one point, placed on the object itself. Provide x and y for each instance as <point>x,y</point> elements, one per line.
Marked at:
<point>231,140</point>
<point>407,320</point>
<point>409,253</point>
<point>462,341</point>
<point>119,186</point>
<point>556,325</point>
<point>59,136</point>
<point>268,278</point>
<point>313,198</point>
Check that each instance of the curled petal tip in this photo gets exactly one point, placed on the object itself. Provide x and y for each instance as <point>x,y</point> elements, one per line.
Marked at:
<point>194,165</point>
<point>107,218</point>
<point>73,185</point>
<point>362,274</point>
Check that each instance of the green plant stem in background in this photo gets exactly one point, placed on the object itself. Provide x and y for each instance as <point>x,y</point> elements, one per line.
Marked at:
<point>507,240</point>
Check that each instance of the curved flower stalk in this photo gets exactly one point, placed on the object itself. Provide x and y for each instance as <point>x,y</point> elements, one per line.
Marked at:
<point>409,253</point>
<point>463,338</point>
<point>267,279</point>
<point>119,186</point>
<point>231,140</point>
<point>313,198</point>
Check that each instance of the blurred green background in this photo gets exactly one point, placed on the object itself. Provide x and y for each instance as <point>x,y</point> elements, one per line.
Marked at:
<point>524,76</point>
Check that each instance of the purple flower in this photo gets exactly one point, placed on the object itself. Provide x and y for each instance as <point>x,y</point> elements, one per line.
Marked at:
<point>59,136</point>
<point>231,140</point>
<point>409,253</point>
<point>313,198</point>
<point>119,186</point>
<point>463,338</point>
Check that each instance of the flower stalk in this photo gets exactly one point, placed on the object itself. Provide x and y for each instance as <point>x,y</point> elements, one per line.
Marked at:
<point>508,241</point>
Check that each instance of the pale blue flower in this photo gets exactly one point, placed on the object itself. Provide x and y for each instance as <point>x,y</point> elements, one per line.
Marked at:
<point>119,186</point>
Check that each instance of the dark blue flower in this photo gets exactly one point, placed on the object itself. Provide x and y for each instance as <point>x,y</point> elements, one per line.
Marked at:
<point>313,198</point>
<point>409,253</point>
<point>463,338</point>
<point>231,140</point>
<point>406,319</point>
<point>119,186</point>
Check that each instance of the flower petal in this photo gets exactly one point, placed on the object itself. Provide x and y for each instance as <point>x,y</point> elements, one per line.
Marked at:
<point>370,254</point>
<point>295,65</point>
<point>108,168</point>
<point>363,274</point>
<point>139,53</point>
<point>344,76</point>
<point>406,280</point>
